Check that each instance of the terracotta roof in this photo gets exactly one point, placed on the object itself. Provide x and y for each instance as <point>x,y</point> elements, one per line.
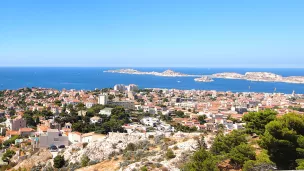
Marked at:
<point>12,133</point>
<point>26,130</point>
<point>43,128</point>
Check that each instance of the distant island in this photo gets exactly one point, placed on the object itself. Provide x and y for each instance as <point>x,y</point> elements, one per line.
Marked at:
<point>167,73</point>
<point>260,76</point>
<point>203,79</point>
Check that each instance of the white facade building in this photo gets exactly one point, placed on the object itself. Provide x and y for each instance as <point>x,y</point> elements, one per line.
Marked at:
<point>120,87</point>
<point>106,111</point>
<point>103,99</point>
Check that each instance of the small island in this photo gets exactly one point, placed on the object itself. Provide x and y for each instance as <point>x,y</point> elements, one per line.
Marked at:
<point>203,79</point>
<point>260,76</point>
<point>167,73</point>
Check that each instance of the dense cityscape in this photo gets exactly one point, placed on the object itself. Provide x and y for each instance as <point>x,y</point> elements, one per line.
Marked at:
<point>127,128</point>
<point>151,85</point>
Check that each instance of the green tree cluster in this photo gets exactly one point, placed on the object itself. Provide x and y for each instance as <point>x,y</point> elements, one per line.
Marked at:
<point>284,141</point>
<point>202,160</point>
<point>224,143</point>
<point>256,121</point>
<point>8,155</point>
<point>240,154</point>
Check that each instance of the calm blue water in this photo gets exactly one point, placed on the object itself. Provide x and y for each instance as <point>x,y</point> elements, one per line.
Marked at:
<point>91,78</point>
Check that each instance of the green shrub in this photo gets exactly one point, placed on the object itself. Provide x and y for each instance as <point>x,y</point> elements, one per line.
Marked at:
<point>85,161</point>
<point>170,154</point>
<point>59,162</point>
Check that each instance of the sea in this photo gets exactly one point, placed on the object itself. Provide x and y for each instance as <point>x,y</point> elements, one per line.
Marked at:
<point>81,78</point>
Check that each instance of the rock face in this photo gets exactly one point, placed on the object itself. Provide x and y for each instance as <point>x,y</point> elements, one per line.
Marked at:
<point>41,157</point>
<point>101,150</point>
<point>187,147</point>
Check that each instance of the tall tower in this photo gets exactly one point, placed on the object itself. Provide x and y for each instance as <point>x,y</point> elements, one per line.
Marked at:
<point>103,99</point>
<point>293,93</point>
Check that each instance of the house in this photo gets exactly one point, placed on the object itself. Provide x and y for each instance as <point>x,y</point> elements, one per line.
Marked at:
<point>52,137</point>
<point>91,136</point>
<point>10,133</point>
<point>42,129</point>
<point>106,111</point>
<point>95,119</point>
<point>26,131</point>
<point>150,121</point>
<point>15,124</point>
<point>89,104</point>
<point>75,137</point>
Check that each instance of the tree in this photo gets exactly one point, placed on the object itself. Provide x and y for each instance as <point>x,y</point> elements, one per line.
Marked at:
<point>29,120</point>
<point>111,97</point>
<point>261,163</point>
<point>284,141</point>
<point>80,106</point>
<point>8,155</point>
<point>224,143</point>
<point>202,118</point>
<point>170,154</point>
<point>59,161</point>
<point>240,154</point>
<point>180,114</point>
<point>256,121</point>
<point>201,142</point>
<point>202,160</point>
<point>57,102</point>
<point>10,141</point>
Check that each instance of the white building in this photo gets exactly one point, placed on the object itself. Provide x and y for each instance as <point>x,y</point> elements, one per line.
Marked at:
<point>95,119</point>
<point>106,111</point>
<point>15,124</point>
<point>150,121</point>
<point>132,87</point>
<point>103,99</point>
<point>120,87</point>
<point>75,137</point>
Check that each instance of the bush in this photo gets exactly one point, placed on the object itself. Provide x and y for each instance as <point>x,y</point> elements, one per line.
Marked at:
<point>59,162</point>
<point>170,154</point>
<point>151,136</point>
<point>85,161</point>
<point>144,168</point>
<point>131,147</point>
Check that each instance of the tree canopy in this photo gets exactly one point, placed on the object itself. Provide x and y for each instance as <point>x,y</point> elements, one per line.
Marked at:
<point>240,154</point>
<point>256,121</point>
<point>59,161</point>
<point>202,160</point>
<point>284,140</point>
<point>224,143</point>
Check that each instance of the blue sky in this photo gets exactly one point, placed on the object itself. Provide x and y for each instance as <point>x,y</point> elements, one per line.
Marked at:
<point>201,33</point>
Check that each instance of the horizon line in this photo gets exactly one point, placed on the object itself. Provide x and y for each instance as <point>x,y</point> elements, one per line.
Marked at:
<point>79,66</point>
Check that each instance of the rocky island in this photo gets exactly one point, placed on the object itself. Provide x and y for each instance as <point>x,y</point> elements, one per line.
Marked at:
<point>260,76</point>
<point>167,73</point>
<point>203,79</point>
